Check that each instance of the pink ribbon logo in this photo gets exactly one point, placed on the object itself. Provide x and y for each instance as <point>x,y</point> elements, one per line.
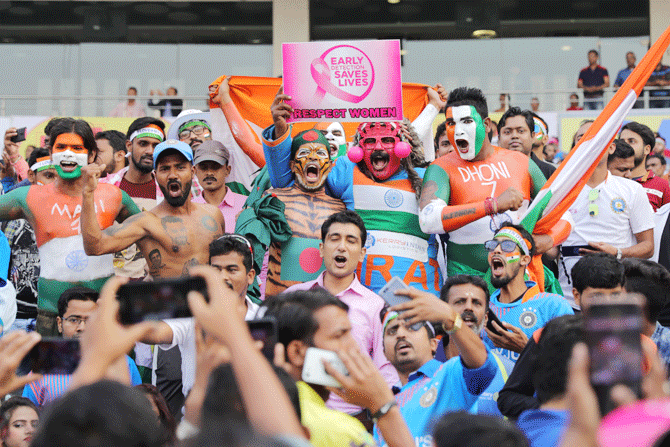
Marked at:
<point>321,74</point>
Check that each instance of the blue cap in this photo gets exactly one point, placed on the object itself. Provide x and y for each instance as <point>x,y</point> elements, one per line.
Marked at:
<point>179,146</point>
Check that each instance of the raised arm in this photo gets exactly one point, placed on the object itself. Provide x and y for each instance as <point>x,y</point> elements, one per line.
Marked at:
<point>243,135</point>
<point>113,239</point>
<point>277,142</point>
<point>436,216</point>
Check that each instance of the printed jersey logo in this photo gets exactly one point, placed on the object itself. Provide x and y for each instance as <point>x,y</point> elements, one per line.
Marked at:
<point>428,397</point>
<point>528,318</point>
<point>76,260</point>
<point>618,205</point>
<point>393,198</point>
<point>485,172</point>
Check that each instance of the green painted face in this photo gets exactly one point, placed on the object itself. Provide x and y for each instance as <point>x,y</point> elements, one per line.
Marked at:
<point>466,130</point>
<point>68,175</point>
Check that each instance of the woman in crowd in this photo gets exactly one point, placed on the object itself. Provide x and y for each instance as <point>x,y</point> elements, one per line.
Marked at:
<point>18,421</point>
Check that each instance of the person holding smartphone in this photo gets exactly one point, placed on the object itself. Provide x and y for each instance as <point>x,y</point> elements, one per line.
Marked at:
<point>12,139</point>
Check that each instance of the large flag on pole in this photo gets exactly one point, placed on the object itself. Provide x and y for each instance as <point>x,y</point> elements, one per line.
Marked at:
<point>563,187</point>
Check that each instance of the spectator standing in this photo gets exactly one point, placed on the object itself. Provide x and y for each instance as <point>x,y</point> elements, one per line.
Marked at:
<point>18,422</point>
<point>504,102</point>
<point>129,108</point>
<point>112,150</point>
<point>660,77</point>
<point>593,80</point>
<point>625,72</point>
<point>622,160</point>
<point>535,104</point>
<point>170,106</point>
<point>657,163</point>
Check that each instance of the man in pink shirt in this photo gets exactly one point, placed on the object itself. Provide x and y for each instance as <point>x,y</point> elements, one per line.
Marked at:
<point>343,237</point>
<point>212,169</point>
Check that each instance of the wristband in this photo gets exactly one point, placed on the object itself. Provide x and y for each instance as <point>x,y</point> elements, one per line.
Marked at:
<point>383,410</point>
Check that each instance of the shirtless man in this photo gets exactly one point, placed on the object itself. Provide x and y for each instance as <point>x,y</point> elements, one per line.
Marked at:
<point>174,235</point>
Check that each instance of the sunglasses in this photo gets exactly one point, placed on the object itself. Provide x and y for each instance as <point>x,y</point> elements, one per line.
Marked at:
<point>507,245</point>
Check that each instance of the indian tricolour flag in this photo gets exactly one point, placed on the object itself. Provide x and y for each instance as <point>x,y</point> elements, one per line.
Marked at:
<point>563,187</point>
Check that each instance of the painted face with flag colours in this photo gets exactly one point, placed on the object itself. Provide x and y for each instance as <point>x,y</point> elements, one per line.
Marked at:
<point>466,130</point>
<point>69,155</point>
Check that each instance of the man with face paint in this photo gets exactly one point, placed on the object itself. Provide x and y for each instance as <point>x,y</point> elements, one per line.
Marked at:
<point>178,228</point>
<point>334,133</point>
<point>470,192</point>
<point>54,212</point>
<point>519,304</point>
<point>539,141</point>
<point>307,206</point>
<point>382,186</point>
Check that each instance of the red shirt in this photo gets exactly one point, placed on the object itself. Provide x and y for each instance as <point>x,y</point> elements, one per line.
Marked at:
<point>657,189</point>
<point>144,190</point>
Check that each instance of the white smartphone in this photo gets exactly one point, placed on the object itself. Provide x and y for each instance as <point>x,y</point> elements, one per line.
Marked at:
<point>388,292</point>
<point>313,371</point>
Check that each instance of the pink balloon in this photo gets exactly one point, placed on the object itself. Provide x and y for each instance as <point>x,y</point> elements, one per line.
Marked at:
<point>355,154</point>
<point>402,149</point>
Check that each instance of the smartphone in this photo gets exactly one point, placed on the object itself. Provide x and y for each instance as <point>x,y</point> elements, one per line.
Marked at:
<point>313,370</point>
<point>157,300</point>
<point>20,135</point>
<point>612,329</point>
<point>493,317</point>
<point>388,292</point>
<point>265,330</point>
<point>573,250</point>
<point>53,355</point>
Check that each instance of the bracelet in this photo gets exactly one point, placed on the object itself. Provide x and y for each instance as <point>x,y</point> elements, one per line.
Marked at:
<point>495,205</point>
<point>383,410</point>
<point>490,206</point>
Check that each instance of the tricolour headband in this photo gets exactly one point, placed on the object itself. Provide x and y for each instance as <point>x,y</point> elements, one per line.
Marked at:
<point>41,164</point>
<point>192,123</point>
<point>150,131</point>
<point>512,233</point>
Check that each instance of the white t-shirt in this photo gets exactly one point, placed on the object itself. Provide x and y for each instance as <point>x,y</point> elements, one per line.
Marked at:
<point>7,306</point>
<point>623,212</point>
<point>183,335</point>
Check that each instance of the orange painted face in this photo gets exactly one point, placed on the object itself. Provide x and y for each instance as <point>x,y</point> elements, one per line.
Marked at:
<point>68,155</point>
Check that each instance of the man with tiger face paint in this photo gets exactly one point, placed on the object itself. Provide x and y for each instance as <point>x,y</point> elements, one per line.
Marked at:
<point>307,206</point>
<point>472,191</point>
<point>382,184</point>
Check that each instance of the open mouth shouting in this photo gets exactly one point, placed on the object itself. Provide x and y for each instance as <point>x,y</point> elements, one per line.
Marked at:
<point>498,264</point>
<point>68,166</point>
<point>379,160</point>
<point>340,261</point>
<point>174,188</point>
<point>462,145</point>
<point>469,318</point>
<point>333,149</point>
<point>312,172</point>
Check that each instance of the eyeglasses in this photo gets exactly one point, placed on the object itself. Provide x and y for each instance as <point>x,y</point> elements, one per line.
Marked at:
<point>507,245</point>
<point>197,130</point>
<point>593,207</point>
<point>238,237</point>
<point>386,142</point>
<point>76,321</point>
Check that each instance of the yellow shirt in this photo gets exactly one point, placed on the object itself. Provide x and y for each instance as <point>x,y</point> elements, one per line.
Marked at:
<point>330,428</point>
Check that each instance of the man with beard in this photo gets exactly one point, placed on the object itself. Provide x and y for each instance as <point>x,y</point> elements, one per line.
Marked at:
<point>382,187</point>
<point>179,229</point>
<point>642,139</point>
<point>470,192</point>
<point>112,150</point>
<point>307,206</point>
<point>137,179</point>
<point>53,211</point>
<point>429,387</point>
<point>469,295</point>
<point>519,304</point>
<point>334,133</point>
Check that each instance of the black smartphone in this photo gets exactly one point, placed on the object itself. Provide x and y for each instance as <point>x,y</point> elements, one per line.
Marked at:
<point>265,330</point>
<point>53,355</point>
<point>493,317</point>
<point>157,300</point>
<point>612,330</point>
<point>573,250</point>
<point>20,135</point>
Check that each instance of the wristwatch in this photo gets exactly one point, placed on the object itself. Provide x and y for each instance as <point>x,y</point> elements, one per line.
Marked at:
<point>458,322</point>
<point>619,254</point>
<point>383,410</point>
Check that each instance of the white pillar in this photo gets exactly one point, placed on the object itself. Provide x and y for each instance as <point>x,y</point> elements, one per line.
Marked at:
<point>659,11</point>
<point>290,23</point>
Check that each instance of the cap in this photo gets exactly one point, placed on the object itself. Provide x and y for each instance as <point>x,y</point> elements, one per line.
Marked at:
<point>180,146</point>
<point>184,117</point>
<point>211,150</point>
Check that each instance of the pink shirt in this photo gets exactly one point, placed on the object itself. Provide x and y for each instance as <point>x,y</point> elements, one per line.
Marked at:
<point>231,205</point>
<point>364,308</point>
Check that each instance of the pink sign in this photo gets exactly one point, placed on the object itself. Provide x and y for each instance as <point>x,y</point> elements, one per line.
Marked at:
<point>343,81</point>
